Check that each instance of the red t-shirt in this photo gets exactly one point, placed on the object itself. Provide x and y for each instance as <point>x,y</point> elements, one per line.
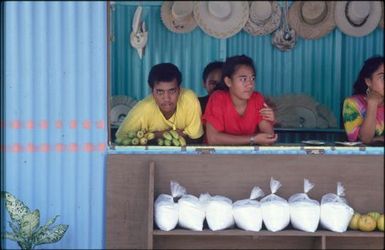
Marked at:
<point>222,115</point>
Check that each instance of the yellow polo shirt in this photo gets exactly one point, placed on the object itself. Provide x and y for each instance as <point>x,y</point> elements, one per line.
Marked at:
<point>147,115</point>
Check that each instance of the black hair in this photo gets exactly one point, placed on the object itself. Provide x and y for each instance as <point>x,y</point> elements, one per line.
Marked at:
<point>164,72</point>
<point>367,70</point>
<point>231,65</point>
<point>210,68</point>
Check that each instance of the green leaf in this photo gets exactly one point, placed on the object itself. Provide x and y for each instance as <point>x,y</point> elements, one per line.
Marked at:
<point>30,223</point>
<point>23,243</point>
<point>12,236</point>
<point>14,227</point>
<point>50,236</point>
<point>16,208</point>
<point>44,228</point>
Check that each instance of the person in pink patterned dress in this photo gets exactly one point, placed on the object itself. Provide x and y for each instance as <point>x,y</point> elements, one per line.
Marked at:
<point>363,113</point>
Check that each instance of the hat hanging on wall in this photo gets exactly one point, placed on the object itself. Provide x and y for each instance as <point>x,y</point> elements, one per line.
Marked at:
<point>120,105</point>
<point>178,16</point>
<point>312,19</point>
<point>381,23</point>
<point>264,18</point>
<point>357,18</point>
<point>221,19</point>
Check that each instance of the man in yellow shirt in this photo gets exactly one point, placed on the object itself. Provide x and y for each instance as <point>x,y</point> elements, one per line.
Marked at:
<point>169,107</point>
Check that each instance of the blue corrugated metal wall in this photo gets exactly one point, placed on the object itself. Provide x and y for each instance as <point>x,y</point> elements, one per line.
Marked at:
<point>324,69</point>
<point>56,95</point>
<point>55,114</point>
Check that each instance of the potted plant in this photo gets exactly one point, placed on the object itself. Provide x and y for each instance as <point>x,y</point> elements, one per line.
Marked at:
<point>25,225</point>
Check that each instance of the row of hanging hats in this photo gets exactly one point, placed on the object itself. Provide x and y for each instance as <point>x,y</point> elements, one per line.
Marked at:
<point>309,19</point>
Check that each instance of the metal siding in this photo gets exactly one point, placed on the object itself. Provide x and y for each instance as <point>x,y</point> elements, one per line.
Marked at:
<point>324,68</point>
<point>55,114</point>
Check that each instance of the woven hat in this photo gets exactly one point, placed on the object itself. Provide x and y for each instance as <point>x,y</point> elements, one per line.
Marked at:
<point>312,19</point>
<point>178,16</point>
<point>120,105</point>
<point>264,18</point>
<point>221,19</point>
<point>358,18</point>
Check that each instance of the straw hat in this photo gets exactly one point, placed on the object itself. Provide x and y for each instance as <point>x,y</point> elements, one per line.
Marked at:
<point>265,17</point>
<point>358,18</point>
<point>312,19</point>
<point>178,16</point>
<point>120,105</point>
<point>221,19</point>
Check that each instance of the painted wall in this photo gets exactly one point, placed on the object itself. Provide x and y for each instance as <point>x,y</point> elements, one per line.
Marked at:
<point>55,114</point>
<point>324,69</point>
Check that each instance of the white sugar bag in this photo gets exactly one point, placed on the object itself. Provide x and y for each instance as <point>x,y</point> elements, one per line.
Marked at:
<point>219,213</point>
<point>166,210</point>
<point>304,212</point>
<point>275,209</point>
<point>335,212</point>
<point>247,213</point>
<point>191,213</point>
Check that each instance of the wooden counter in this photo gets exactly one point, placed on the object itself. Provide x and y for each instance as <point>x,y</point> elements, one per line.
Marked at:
<point>135,179</point>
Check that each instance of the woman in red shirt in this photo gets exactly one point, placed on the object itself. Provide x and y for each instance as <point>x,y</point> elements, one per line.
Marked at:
<point>238,115</point>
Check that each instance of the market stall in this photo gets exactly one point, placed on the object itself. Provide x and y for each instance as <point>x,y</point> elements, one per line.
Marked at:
<point>137,175</point>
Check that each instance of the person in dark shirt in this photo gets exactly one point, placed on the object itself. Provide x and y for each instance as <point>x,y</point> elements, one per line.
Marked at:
<point>211,77</point>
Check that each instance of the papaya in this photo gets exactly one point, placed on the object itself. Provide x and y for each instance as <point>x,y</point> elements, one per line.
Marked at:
<point>167,142</point>
<point>131,134</point>
<point>139,134</point>
<point>143,141</point>
<point>118,141</point>
<point>150,136</point>
<point>135,141</point>
<point>176,142</point>
<point>182,141</point>
<point>174,134</point>
<point>167,135</point>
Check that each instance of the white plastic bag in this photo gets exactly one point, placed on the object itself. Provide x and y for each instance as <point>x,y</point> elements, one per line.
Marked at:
<point>219,212</point>
<point>247,213</point>
<point>166,210</point>
<point>275,209</point>
<point>191,213</point>
<point>304,212</point>
<point>335,212</point>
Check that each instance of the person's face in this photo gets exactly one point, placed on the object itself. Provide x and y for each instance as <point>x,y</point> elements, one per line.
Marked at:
<point>241,83</point>
<point>166,96</point>
<point>213,78</point>
<point>376,82</point>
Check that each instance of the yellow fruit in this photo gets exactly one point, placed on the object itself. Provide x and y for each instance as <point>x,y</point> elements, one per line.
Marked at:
<point>182,141</point>
<point>175,142</point>
<point>354,221</point>
<point>167,142</point>
<point>375,215</point>
<point>174,134</point>
<point>135,141</point>
<point>366,223</point>
<point>143,141</point>
<point>167,135</point>
<point>150,136</point>
<point>380,223</point>
<point>160,142</point>
<point>139,134</point>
